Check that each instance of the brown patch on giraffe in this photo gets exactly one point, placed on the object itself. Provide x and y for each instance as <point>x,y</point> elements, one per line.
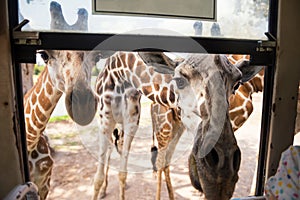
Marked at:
<point>43,165</point>
<point>107,99</point>
<point>166,126</point>
<point>110,85</point>
<point>239,120</point>
<point>257,84</point>
<point>139,68</point>
<point>145,78</point>
<point>33,98</point>
<point>127,73</point>
<point>44,101</point>
<point>245,89</point>
<point>41,115</point>
<point>36,121</point>
<point>151,97</point>
<point>130,60</point>
<point>164,95</point>
<point>147,90</point>
<point>115,74</point>
<point>121,73</point>
<point>157,79</point>
<point>42,146</point>
<point>38,88</point>
<point>99,88</point>
<point>29,127</point>
<point>135,81</point>
<point>34,154</point>
<point>104,74</point>
<point>170,116</point>
<point>121,59</point>
<point>156,86</point>
<point>236,101</point>
<point>168,79</point>
<point>151,71</point>
<point>249,107</point>
<point>28,108</point>
<point>237,114</point>
<point>172,95</point>
<point>49,88</point>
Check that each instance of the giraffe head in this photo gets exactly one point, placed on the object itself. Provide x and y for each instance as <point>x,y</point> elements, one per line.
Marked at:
<point>70,72</point>
<point>204,84</point>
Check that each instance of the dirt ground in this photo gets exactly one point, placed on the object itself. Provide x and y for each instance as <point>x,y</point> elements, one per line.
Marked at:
<point>76,163</point>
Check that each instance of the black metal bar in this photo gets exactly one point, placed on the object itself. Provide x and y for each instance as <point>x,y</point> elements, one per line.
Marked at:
<point>85,41</point>
<point>267,104</point>
<point>20,125</point>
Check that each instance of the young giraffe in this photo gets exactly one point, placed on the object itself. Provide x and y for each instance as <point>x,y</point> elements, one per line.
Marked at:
<point>240,108</point>
<point>130,70</point>
<point>65,72</point>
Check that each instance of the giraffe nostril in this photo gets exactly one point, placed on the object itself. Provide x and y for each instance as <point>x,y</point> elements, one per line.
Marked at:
<point>212,159</point>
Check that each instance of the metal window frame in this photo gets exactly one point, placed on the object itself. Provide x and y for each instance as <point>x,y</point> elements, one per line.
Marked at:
<point>260,53</point>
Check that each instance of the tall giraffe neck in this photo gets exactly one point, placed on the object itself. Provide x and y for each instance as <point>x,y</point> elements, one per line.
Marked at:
<point>39,104</point>
<point>124,66</point>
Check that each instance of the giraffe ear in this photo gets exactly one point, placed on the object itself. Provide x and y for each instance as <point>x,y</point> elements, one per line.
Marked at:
<point>163,69</point>
<point>248,71</point>
<point>159,61</point>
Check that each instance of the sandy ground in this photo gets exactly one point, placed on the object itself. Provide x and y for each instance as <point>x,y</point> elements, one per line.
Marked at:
<point>76,163</point>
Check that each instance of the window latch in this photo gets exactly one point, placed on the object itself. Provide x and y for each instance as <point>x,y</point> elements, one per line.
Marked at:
<point>266,45</point>
<point>24,37</point>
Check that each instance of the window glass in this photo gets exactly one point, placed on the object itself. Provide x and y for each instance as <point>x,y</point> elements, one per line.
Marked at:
<point>246,19</point>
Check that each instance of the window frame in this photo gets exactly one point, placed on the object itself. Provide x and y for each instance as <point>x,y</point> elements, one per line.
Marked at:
<point>22,53</point>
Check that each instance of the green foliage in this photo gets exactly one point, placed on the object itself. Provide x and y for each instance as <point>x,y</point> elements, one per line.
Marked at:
<point>59,118</point>
<point>38,69</point>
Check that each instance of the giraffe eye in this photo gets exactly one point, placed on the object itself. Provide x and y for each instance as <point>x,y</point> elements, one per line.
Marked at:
<point>44,56</point>
<point>181,82</point>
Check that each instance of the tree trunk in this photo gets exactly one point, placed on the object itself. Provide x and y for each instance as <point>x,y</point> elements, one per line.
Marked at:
<point>27,76</point>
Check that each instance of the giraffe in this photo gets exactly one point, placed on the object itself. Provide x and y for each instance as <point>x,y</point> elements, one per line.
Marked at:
<point>41,100</point>
<point>240,103</point>
<point>174,92</point>
<point>65,72</point>
<point>240,108</point>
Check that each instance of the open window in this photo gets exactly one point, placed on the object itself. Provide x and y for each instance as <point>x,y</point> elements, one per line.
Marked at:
<point>240,27</point>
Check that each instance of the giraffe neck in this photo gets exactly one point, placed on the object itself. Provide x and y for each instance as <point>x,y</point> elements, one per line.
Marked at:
<point>241,105</point>
<point>129,67</point>
<point>39,104</point>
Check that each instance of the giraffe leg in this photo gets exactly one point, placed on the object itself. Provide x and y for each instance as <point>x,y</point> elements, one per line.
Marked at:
<point>100,176</point>
<point>130,129</point>
<point>105,183</point>
<point>168,156</point>
<point>168,182</point>
<point>124,160</point>
<point>158,184</point>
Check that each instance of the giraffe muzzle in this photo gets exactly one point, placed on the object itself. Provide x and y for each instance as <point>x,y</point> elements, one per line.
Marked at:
<point>81,105</point>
